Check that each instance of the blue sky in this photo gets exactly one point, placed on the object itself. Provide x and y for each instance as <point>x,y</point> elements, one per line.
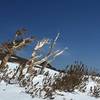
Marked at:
<point>78,21</point>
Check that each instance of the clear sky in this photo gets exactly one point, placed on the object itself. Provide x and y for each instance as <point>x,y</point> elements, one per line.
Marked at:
<point>78,21</point>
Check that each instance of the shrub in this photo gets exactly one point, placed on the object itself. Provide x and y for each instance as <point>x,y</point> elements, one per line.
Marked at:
<point>96,91</point>
<point>72,78</point>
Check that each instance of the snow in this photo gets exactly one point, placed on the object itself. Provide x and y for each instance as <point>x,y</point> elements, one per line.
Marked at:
<point>14,92</point>
<point>90,84</point>
<point>74,96</point>
<point>12,65</point>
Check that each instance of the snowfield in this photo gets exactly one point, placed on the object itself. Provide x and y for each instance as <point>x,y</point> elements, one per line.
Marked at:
<point>14,92</point>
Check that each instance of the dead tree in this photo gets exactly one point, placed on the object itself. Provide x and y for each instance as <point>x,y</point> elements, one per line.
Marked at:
<point>36,59</point>
<point>9,48</point>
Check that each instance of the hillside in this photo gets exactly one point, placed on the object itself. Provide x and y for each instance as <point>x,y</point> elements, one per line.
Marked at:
<point>16,92</point>
<point>10,92</point>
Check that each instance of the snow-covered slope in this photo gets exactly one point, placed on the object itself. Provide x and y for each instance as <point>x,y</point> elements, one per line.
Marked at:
<point>14,92</point>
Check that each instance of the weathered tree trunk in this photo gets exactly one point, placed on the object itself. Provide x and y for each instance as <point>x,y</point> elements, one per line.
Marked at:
<point>42,67</point>
<point>4,61</point>
<point>22,66</point>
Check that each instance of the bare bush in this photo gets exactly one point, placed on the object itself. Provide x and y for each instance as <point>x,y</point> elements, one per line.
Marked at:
<point>9,48</point>
<point>96,92</point>
<point>71,79</point>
